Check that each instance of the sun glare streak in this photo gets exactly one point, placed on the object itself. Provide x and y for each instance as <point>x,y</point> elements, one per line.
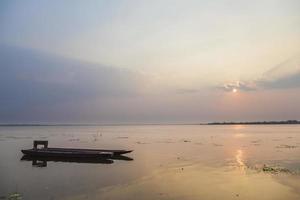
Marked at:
<point>234,90</point>
<point>239,159</point>
<point>238,127</point>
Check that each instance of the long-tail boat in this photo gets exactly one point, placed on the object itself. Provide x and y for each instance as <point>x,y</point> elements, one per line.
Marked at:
<point>70,152</point>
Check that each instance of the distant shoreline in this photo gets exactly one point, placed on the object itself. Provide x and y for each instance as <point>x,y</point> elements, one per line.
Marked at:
<point>286,122</point>
<point>256,123</point>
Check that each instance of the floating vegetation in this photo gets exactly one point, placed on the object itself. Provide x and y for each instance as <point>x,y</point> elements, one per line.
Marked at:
<point>15,196</point>
<point>286,146</point>
<point>275,169</point>
<point>122,137</point>
<point>166,141</point>
<point>161,194</point>
<point>217,145</point>
<point>96,136</point>
<point>255,142</point>
<point>138,142</point>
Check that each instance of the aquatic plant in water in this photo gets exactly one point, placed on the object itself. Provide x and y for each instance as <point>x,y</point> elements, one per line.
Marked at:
<point>274,169</point>
<point>15,196</point>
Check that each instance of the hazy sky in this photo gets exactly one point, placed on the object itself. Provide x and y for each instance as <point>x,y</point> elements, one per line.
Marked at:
<point>149,61</point>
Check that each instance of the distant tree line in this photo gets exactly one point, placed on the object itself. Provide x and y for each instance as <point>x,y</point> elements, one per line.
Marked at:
<point>255,123</point>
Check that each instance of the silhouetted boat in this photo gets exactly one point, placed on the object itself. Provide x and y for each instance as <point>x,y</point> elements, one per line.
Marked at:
<point>41,161</point>
<point>76,160</point>
<point>70,152</point>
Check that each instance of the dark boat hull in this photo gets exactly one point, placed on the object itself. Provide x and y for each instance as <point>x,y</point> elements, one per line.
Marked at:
<point>73,153</point>
<point>76,160</point>
<point>68,159</point>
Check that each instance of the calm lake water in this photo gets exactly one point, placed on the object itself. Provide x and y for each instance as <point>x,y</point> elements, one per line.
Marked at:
<point>169,162</point>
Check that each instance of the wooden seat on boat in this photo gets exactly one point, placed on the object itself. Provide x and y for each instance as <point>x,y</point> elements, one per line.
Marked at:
<point>36,143</point>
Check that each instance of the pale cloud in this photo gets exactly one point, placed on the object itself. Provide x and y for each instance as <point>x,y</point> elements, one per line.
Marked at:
<point>238,85</point>
<point>285,75</point>
<point>155,60</point>
<point>31,80</point>
<point>170,36</point>
<point>286,82</point>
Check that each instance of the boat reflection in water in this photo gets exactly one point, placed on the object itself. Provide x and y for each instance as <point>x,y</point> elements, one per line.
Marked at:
<point>41,161</point>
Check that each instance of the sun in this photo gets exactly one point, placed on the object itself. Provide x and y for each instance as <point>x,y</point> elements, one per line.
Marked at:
<point>234,90</point>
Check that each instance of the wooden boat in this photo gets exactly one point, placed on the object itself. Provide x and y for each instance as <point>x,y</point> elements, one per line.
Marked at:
<point>76,160</point>
<point>71,153</point>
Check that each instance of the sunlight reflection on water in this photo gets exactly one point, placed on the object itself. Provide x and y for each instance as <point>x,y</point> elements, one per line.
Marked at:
<point>170,162</point>
<point>239,159</point>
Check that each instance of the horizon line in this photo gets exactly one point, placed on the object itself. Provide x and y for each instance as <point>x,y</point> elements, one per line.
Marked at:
<point>145,124</point>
